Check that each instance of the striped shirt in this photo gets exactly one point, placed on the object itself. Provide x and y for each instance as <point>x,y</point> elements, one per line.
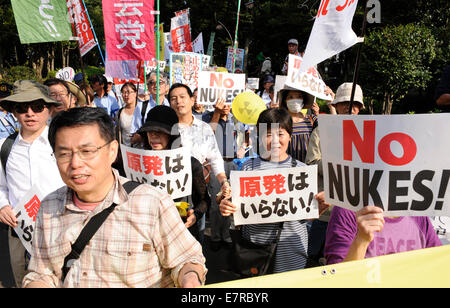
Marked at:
<point>293,245</point>
<point>301,133</point>
<point>143,243</point>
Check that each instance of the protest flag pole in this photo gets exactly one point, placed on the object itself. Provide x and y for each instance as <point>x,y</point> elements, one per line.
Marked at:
<point>235,35</point>
<point>358,60</point>
<point>93,32</point>
<point>157,52</point>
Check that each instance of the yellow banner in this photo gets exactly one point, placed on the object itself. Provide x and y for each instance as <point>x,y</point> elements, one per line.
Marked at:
<point>425,268</point>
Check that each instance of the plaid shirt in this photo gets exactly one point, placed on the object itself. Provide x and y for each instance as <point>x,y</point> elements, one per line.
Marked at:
<point>143,243</point>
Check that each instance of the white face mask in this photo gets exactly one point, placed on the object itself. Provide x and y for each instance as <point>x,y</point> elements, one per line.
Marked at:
<point>295,105</point>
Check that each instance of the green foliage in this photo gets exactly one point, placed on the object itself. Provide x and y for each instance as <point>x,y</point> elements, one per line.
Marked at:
<point>395,60</point>
<point>19,72</point>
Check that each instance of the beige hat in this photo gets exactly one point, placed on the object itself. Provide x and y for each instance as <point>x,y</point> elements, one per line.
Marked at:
<point>26,91</point>
<point>75,90</point>
<point>344,92</point>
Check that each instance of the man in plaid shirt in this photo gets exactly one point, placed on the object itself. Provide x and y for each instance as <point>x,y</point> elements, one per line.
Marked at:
<point>142,243</point>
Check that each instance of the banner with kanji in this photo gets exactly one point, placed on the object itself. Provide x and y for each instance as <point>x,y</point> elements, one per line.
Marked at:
<point>80,22</point>
<point>26,211</point>
<point>41,21</point>
<point>275,195</point>
<point>393,162</point>
<point>332,32</point>
<point>185,69</point>
<point>197,44</point>
<point>215,85</point>
<point>308,81</point>
<point>129,29</point>
<point>180,30</point>
<point>169,170</point>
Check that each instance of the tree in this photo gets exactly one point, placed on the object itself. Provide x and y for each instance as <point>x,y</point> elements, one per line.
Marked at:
<point>395,60</point>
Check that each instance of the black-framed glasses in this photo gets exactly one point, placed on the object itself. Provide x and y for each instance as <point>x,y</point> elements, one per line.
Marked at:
<point>36,107</point>
<point>86,153</point>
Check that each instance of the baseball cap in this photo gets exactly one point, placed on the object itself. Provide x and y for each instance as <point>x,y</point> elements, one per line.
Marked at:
<point>293,41</point>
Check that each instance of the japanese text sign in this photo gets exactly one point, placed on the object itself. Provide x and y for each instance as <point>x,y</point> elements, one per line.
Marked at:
<point>331,33</point>
<point>169,170</point>
<point>80,22</point>
<point>26,212</point>
<point>275,195</point>
<point>215,85</point>
<point>308,81</point>
<point>185,68</point>
<point>238,59</point>
<point>180,30</point>
<point>41,20</point>
<point>394,162</point>
<point>129,29</point>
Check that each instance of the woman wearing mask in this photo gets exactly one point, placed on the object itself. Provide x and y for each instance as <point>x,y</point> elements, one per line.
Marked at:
<point>294,101</point>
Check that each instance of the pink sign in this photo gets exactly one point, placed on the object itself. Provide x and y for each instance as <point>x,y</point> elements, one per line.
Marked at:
<point>129,29</point>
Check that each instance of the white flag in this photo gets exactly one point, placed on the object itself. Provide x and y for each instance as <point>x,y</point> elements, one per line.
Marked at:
<point>332,32</point>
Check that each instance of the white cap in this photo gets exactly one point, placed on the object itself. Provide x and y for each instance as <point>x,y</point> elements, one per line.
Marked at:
<point>109,79</point>
<point>293,41</point>
<point>344,92</point>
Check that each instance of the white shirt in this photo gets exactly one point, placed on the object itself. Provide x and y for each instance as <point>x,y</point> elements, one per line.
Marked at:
<point>200,138</point>
<point>28,164</point>
<point>137,122</point>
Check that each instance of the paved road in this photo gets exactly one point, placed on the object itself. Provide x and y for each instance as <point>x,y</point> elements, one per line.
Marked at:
<point>216,262</point>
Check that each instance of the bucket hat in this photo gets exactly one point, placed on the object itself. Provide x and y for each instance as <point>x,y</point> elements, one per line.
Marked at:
<point>160,119</point>
<point>27,91</point>
<point>344,92</point>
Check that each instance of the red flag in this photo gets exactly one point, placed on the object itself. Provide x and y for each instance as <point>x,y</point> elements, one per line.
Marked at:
<point>82,28</point>
<point>180,30</point>
<point>129,29</point>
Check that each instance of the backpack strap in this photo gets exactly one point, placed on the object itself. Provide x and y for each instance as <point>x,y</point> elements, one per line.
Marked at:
<point>89,231</point>
<point>6,149</point>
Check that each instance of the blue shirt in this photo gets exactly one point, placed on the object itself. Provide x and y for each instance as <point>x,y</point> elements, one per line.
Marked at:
<point>109,103</point>
<point>137,121</point>
<point>8,124</point>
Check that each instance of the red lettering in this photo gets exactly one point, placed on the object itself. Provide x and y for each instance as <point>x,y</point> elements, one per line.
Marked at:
<point>297,63</point>
<point>228,83</point>
<point>365,147</point>
<point>409,149</point>
<point>323,10</point>
<point>340,8</point>
<point>274,183</point>
<point>215,80</point>
<point>250,186</point>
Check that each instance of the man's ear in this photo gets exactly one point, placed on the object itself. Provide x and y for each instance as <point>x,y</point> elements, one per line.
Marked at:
<point>114,149</point>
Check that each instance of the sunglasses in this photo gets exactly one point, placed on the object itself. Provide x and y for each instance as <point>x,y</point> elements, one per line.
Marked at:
<point>36,107</point>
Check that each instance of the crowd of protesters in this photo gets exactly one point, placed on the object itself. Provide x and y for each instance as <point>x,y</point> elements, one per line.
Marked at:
<point>67,136</point>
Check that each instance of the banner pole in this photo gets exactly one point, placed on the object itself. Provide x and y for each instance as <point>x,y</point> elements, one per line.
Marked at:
<point>93,32</point>
<point>157,52</point>
<point>358,61</point>
<point>235,35</point>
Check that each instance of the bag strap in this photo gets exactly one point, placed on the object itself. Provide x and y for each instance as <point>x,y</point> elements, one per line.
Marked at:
<point>6,149</point>
<point>144,111</point>
<point>90,229</point>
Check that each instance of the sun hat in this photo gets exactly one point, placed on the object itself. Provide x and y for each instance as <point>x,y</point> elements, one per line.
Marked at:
<point>26,91</point>
<point>160,119</point>
<point>344,92</point>
<point>75,90</point>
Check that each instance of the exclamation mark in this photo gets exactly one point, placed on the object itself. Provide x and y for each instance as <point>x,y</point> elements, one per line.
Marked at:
<point>442,189</point>
<point>310,200</point>
<point>186,177</point>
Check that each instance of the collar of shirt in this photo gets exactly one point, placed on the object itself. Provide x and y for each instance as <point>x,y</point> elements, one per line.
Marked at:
<point>115,195</point>
<point>43,138</point>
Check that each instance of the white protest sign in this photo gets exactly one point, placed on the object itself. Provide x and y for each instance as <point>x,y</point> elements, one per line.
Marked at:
<point>253,83</point>
<point>308,81</point>
<point>206,60</point>
<point>26,211</point>
<point>66,74</point>
<point>215,85</point>
<point>275,195</point>
<point>331,33</point>
<point>197,44</point>
<point>185,68</point>
<point>169,170</point>
<point>394,162</point>
<point>238,59</point>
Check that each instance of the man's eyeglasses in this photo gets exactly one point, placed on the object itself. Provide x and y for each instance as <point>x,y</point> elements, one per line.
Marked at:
<point>36,107</point>
<point>85,153</point>
<point>56,95</point>
<point>153,83</point>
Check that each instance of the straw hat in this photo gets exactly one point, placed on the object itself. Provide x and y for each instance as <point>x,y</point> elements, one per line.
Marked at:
<point>75,90</point>
<point>26,91</point>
